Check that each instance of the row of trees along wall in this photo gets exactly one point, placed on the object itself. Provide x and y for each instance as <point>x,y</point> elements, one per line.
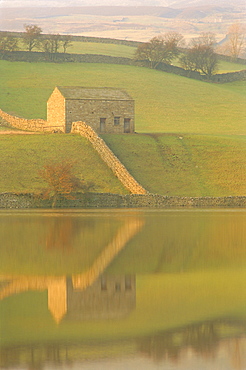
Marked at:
<point>108,157</point>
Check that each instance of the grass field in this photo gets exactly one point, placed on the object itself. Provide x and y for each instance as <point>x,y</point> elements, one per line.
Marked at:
<point>164,102</point>
<point>202,152</point>
<point>187,165</point>
<point>118,50</point>
<point>22,156</point>
<point>115,50</point>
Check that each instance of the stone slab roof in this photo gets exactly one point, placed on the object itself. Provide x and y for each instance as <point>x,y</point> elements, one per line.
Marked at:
<point>93,93</point>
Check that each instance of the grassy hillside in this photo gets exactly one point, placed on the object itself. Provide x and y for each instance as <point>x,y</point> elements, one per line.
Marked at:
<point>202,152</point>
<point>118,50</point>
<point>114,50</point>
<point>187,165</point>
<point>22,156</point>
<point>164,102</point>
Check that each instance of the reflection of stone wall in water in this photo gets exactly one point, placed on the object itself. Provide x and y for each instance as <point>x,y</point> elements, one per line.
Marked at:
<point>107,298</point>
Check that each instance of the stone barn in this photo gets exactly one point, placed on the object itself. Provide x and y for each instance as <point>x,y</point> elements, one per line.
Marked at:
<point>106,110</point>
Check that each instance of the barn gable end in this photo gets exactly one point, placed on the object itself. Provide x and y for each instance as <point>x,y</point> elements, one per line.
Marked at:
<point>56,111</point>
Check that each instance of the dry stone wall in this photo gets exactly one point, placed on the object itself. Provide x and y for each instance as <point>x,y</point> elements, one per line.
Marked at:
<point>108,157</point>
<point>106,200</point>
<point>25,124</point>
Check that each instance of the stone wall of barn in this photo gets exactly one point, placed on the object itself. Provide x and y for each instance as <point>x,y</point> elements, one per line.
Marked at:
<point>94,111</point>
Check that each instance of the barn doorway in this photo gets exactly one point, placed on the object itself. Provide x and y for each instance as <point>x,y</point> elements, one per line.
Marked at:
<point>102,124</point>
<point>127,126</point>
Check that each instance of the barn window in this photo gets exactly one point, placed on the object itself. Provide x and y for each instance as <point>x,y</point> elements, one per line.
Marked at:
<point>116,121</point>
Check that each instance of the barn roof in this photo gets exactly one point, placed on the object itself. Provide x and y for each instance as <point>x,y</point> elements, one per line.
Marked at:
<point>95,93</point>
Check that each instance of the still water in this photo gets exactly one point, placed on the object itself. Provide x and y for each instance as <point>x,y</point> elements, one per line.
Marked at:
<point>123,289</point>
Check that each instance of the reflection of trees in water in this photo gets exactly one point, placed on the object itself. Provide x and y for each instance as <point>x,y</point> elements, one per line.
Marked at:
<point>62,231</point>
<point>174,346</point>
<point>203,339</point>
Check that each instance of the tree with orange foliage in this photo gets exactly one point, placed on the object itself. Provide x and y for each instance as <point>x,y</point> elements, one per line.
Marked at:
<point>61,181</point>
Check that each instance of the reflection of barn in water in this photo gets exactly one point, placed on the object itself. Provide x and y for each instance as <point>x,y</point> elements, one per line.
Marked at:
<point>108,297</point>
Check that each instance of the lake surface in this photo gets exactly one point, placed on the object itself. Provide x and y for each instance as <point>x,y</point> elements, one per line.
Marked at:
<point>123,289</point>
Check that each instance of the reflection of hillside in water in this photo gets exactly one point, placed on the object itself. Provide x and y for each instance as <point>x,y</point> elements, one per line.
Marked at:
<point>180,348</point>
<point>169,242</point>
<point>84,291</point>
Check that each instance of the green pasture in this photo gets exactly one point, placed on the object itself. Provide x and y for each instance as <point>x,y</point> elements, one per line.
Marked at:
<point>100,48</point>
<point>226,67</point>
<point>114,50</point>
<point>164,102</point>
<point>184,165</point>
<point>23,156</point>
<point>168,164</point>
<point>118,50</point>
<point>223,66</point>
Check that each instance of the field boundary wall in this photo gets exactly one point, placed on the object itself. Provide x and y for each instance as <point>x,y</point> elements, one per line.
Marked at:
<point>107,200</point>
<point>108,157</point>
<point>25,124</point>
<point>35,56</point>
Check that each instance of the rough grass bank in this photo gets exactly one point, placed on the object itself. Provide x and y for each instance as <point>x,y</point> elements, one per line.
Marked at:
<point>169,165</point>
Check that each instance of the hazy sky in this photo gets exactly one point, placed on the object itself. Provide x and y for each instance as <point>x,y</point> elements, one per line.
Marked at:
<point>14,3</point>
<point>182,3</point>
<point>81,2</point>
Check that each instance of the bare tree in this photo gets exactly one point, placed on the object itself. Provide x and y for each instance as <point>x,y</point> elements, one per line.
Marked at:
<point>66,42</point>
<point>31,36</point>
<point>159,49</point>
<point>201,56</point>
<point>8,42</point>
<point>55,41</point>
<point>236,40</point>
<point>205,39</point>
<point>50,44</point>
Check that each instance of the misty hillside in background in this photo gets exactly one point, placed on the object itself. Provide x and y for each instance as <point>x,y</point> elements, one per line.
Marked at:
<point>138,23</point>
